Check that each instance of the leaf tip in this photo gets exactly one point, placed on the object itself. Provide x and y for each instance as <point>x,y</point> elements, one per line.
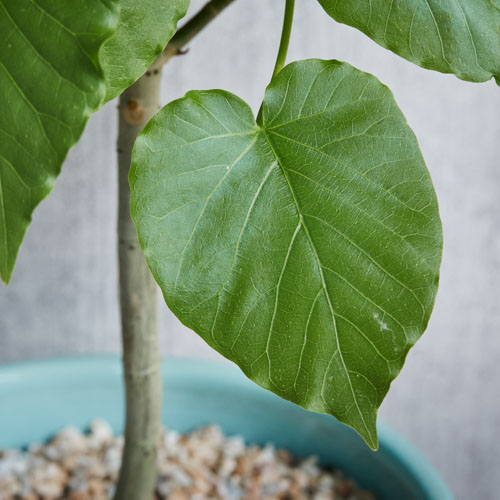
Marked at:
<point>368,434</point>
<point>5,275</point>
<point>372,442</point>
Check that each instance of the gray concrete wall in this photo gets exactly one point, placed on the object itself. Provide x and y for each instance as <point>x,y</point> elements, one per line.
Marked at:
<point>63,296</point>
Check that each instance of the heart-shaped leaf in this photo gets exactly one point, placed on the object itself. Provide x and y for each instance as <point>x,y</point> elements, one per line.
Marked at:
<point>452,36</point>
<point>305,248</point>
<point>143,31</point>
<point>50,83</point>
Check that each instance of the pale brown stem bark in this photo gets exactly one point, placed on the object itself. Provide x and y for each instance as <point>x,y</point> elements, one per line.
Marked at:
<point>138,300</point>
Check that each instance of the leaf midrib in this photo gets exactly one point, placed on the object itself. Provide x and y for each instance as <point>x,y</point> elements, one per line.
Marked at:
<point>303,225</point>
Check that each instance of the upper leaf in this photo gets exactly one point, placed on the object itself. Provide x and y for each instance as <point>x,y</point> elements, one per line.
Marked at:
<point>451,36</point>
<point>50,83</point>
<point>305,248</point>
<point>144,30</point>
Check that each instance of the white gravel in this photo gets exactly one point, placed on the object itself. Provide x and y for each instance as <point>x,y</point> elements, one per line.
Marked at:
<point>203,465</point>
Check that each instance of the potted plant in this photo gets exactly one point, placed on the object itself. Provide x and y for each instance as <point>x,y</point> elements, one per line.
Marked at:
<point>303,244</point>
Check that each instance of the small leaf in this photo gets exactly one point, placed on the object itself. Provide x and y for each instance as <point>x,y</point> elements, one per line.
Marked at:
<point>50,83</point>
<point>452,36</point>
<point>144,29</point>
<point>305,248</point>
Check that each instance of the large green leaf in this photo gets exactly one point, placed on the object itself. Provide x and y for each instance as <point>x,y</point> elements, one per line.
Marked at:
<point>50,83</point>
<point>144,30</point>
<point>305,248</point>
<point>451,36</point>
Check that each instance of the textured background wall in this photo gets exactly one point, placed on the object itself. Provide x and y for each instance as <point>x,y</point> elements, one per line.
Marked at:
<point>63,296</point>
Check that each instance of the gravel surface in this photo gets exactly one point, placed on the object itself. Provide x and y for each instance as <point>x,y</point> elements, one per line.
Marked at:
<point>203,465</point>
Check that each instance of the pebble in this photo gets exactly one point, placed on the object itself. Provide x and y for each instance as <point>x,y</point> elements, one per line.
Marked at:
<point>203,465</point>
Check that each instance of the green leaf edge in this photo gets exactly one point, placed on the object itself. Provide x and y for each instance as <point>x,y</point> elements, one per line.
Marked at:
<point>382,43</point>
<point>178,15</point>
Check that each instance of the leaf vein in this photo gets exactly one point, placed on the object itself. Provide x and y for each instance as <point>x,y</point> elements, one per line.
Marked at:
<point>240,157</point>
<point>358,173</point>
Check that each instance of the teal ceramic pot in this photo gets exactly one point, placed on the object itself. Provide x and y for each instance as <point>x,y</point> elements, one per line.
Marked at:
<point>38,398</point>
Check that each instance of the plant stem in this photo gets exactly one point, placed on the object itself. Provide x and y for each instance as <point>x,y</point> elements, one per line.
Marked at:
<point>138,300</point>
<point>138,291</point>
<point>285,36</point>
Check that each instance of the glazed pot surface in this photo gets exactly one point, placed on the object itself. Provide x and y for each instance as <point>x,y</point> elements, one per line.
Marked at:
<point>39,398</point>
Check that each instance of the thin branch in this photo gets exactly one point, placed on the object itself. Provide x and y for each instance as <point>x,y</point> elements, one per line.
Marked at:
<point>200,20</point>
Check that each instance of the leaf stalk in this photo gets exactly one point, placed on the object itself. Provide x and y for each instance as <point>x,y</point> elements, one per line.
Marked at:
<point>285,36</point>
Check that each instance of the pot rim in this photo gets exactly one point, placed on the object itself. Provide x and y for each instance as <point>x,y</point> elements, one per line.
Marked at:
<point>225,375</point>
